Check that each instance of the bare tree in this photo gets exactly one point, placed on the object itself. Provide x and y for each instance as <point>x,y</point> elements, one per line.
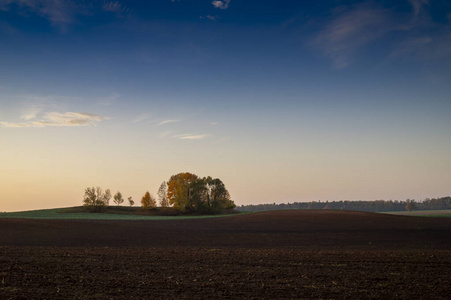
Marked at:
<point>107,197</point>
<point>163,195</point>
<point>130,201</point>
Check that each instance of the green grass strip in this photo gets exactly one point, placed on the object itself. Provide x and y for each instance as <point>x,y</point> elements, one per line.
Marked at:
<point>60,214</point>
<point>424,213</point>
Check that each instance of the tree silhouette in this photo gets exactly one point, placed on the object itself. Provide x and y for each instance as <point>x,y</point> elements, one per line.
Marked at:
<point>95,198</point>
<point>118,198</point>
<point>130,201</point>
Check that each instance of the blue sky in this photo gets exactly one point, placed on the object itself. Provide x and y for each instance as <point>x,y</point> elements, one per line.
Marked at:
<point>283,100</point>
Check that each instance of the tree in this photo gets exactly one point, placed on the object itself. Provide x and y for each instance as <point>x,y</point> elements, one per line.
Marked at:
<point>198,199</point>
<point>95,198</point>
<point>118,198</point>
<point>107,197</point>
<point>210,196</point>
<point>163,195</point>
<point>148,201</point>
<point>179,190</point>
<point>219,197</point>
<point>130,201</point>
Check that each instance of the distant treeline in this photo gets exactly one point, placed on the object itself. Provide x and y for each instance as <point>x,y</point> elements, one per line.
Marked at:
<point>370,206</point>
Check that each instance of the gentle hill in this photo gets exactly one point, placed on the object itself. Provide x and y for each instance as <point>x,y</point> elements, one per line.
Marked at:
<point>293,228</point>
<point>108,213</point>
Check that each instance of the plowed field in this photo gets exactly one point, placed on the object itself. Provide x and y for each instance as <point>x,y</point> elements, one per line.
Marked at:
<point>283,254</point>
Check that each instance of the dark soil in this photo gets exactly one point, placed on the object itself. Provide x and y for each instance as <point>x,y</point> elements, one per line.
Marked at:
<point>281,254</point>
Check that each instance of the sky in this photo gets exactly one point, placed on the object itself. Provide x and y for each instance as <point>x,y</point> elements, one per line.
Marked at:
<point>284,101</point>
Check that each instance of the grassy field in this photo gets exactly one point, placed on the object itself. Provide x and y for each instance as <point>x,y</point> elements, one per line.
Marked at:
<point>424,213</point>
<point>79,213</point>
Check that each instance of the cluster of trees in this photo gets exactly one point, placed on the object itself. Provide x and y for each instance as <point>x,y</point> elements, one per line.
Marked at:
<point>188,192</point>
<point>185,192</point>
<point>95,198</point>
<point>370,206</point>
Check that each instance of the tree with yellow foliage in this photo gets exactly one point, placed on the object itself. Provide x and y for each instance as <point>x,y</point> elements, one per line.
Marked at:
<point>148,201</point>
<point>179,190</point>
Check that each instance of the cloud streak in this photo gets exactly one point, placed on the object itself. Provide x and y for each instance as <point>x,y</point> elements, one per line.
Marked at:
<point>427,40</point>
<point>17,125</point>
<point>353,28</point>
<point>164,133</point>
<point>350,30</point>
<point>210,17</point>
<point>57,12</point>
<point>189,136</point>
<point>60,13</point>
<point>56,119</point>
<point>168,121</point>
<point>417,5</point>
<point>142,117</point>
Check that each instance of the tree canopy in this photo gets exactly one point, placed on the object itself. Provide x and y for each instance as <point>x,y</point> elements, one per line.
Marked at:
<point>188,192</point>
<point>179,190</point>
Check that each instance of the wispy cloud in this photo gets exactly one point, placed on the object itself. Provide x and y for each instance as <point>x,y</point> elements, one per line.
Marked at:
<point>31,113</point>
<point>168,121</point>
<point>427,40</point>
<point>418,5</point>
<point>57,12</point>
<point>70,119</point>
<point>60,13</point>
<point>350,30</point>
<point>194,137</point>
<point>57,119</point>
<point>17,125</point>
<point>114,7</point>
<point>222,4</point>
<point>165,133</point>
<point>212,18</point>
<point>142,117</point>
<point>189,136</point>
<point>425,47</point>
